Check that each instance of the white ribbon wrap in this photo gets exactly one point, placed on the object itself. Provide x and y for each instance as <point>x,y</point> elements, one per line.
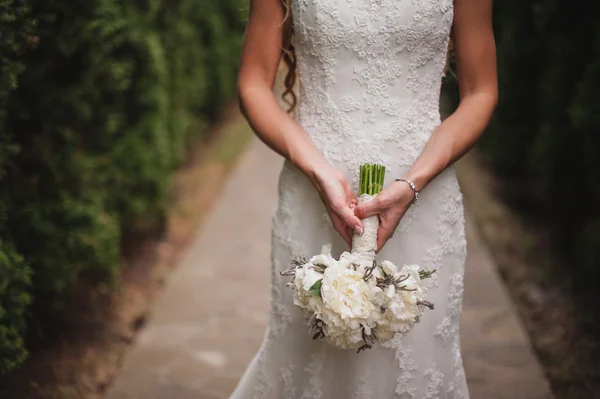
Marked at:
<point>365,246</point>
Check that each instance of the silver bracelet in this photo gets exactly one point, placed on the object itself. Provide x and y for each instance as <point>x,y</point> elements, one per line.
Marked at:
<point>412,187</point>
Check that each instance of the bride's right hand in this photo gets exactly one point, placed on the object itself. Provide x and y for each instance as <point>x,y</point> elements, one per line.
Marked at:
<point>339,200</point>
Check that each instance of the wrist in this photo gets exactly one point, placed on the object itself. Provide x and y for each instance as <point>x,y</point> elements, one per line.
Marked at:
<point>420,180</point>
<point>410,188</point>
<point>316,171</point>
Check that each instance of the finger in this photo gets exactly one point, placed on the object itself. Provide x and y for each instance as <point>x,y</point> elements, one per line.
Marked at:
<point>349,193</point>
<point>351,220</point>
<point>368,208</point>
<point>353,203</point>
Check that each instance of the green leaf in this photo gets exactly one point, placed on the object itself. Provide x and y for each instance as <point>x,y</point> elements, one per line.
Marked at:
<point>316,288</point>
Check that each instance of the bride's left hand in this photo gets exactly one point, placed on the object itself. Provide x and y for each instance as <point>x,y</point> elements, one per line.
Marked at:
<point>390,205</point>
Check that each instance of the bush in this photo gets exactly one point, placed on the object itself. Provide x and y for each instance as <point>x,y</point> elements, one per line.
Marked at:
<point>99,100</point>
<point>14,299</point>
<point>546,125</point>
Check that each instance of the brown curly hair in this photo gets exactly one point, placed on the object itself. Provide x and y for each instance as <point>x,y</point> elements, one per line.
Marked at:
<point>288,56</point>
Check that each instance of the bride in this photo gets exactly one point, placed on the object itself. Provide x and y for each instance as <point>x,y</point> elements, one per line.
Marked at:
<point>369,76</point>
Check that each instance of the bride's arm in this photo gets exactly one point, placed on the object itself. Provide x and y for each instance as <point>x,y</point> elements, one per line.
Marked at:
<point>476,65</point>
<point>473,40</point>
<point>260,58</point>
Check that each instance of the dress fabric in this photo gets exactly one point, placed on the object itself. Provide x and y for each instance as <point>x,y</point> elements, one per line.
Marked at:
<point>370,74</point>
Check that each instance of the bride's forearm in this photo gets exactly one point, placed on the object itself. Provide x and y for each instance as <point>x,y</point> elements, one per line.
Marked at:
<point>453,138</point>
<point>278,130</point>
<point>475,54</point>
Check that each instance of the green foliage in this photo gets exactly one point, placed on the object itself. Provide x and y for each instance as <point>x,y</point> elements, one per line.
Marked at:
<point>315,289</point>
<point>545,130</point>
<point>14,299</point>
<point>99,100</point>
<point>15,25</point>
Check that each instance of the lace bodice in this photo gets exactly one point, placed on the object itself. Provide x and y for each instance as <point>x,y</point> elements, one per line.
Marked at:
<point>370,75</point>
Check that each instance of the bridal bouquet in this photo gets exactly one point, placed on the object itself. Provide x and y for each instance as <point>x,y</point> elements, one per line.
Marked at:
<point>354,302</point>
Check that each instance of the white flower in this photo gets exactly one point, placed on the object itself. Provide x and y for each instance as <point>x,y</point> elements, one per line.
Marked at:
<point>413,280</point>
<point>390,291</point>
<point>389,268</point>
<point>306,276</point>
<point>348,259</point>
<point>383,334</point>
<point>322,259</point>
<point>377,296</point>
<point>310,278</point>
<point>345,292</point>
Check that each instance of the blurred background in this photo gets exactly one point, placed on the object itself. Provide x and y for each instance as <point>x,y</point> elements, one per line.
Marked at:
<point>118,126</point>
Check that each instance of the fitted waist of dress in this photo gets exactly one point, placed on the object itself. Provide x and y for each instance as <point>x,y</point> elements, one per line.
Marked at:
<point>344,116</point>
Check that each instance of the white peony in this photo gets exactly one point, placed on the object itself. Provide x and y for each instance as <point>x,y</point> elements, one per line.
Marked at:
<point>345,292</point>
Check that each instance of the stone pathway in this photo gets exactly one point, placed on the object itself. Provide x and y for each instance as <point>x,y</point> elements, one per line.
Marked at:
<point>211,320</point>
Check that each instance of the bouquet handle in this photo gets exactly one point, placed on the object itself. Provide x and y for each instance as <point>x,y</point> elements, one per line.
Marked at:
<point>365,245</point>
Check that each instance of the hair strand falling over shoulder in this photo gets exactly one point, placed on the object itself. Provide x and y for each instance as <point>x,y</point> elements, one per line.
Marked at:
<point>288,56</point>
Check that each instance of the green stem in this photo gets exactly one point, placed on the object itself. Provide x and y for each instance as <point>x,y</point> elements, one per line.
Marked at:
<point>371,179</point>
<point>360,181</point>
<point>361,185</point>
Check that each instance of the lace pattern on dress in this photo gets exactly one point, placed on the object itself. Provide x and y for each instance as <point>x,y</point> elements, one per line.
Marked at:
<point>370,74</point>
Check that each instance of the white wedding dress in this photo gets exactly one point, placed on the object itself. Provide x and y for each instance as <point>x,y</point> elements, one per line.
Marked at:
<point>370,76</point>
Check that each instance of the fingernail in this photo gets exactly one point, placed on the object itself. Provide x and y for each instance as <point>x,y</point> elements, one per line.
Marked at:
<point>352,206</point>
<point>358,230</point>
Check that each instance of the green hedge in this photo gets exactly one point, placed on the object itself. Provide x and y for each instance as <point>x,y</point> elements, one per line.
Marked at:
<point>99,100</point>
<point>546,128</point>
